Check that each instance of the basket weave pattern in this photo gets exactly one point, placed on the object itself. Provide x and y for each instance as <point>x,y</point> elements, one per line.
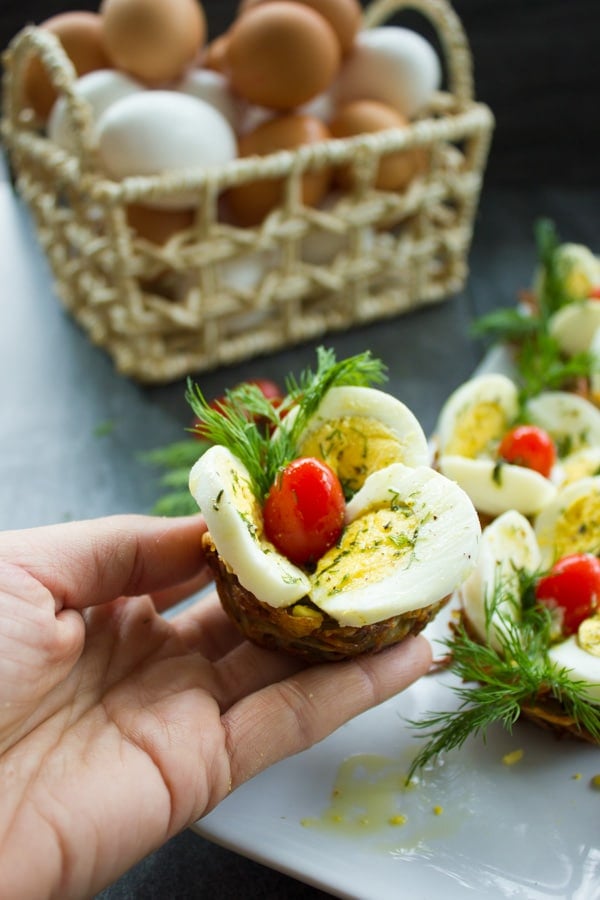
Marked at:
<point>162,312</point>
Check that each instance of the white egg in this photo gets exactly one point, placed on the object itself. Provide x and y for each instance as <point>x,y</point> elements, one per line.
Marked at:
<point>245,273</point>
<point>411,539</point>
<point>570,523</point>
<point>321,107</point>
<point>251,116</point>
<point>571,421</point>
<point>393,65</point>
<point>328,236</point>
<point>213,88</point>
<point>575,325</point>
<point>159,132</point>
<point>358,430</point>
<point>494,488</point>
<point>579,665</point>
<point>221,486</point>
<point>491,595</point>
<point>99,89</point>
<point>476,415</point>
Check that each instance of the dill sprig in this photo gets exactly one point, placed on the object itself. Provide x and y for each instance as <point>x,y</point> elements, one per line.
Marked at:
<point>175,460</point>
<point>497,684</point>
<point>539,362</point>
<point>256,431</point>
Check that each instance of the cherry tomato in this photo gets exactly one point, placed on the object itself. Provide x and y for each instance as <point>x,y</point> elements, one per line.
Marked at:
<point>594,294</point>
<point>304,510</point>
<point>573,587</point>
<point>270,389</point>
<point>529,446</point>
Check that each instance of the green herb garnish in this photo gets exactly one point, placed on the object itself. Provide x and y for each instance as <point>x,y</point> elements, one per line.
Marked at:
<point>539,362</point>
<point>497,684</point>
<point>260,434</point>
<point>253,428</point>
<point>176,460</point>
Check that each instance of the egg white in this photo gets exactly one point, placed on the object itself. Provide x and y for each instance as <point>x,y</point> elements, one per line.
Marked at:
<point>220,484</point>
<point>594,350</point>
<point>370,404</point>
<point>366,587</point>
<point>495,489</point>
<point>574,326</point>
<point>508,545</point>
<point>579,665</point>
<point>570,420</point>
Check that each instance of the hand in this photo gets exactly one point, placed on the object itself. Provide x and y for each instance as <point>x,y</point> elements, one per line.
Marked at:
<point>118,727</point>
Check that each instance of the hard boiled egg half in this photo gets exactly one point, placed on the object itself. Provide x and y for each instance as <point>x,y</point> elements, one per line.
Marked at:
<point>471,425</point>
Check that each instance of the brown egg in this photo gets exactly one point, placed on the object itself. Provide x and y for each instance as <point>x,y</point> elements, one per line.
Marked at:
<point>81,36</point>
<point>250,203</point>
<point>153,40</point>
<point>281,54</point>
<point>215,54</point>
<point>396,169</point>
<point>344,16</point>
<point>158,225</point>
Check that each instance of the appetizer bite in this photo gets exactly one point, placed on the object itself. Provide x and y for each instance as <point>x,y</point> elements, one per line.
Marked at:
<point>527,638</point>
<point>329,535</point>
<point>553,334</point>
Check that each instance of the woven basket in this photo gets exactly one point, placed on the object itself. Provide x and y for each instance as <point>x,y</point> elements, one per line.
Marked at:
<point>162,312</point>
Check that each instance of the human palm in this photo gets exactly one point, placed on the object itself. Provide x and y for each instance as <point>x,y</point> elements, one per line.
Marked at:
<point>119,727</point>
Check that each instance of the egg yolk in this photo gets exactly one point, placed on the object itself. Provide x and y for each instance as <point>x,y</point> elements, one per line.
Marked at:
<point>588,635</point>
<point>353,446</point>
<point>476,428</point>
<point>382,537</point>
<point>577,529</point>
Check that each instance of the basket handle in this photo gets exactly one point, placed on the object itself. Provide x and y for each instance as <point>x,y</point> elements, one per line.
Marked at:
<point>450,32</point>
<point>62,74</point>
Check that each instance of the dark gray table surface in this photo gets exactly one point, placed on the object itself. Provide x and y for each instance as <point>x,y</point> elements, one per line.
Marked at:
<point>59,461</point>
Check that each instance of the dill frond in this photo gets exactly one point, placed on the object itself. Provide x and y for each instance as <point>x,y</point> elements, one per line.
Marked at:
<point>254,430</point>
<point>496,684</point>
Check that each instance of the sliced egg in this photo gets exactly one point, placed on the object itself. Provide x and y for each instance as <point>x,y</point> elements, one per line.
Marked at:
<point>497,487</point>
<point>411,538</point>
<point>571,522</point>
<point>579,664</point>
<point>491,595</point>
<point>594,350</point>
<point>471,425</point>
<point>221,485</point>
<point>357,430</point>
<point>575,325</point>
<point>577,270</point>
<point>476,415</point>
<point>572,421</point>
<point>581,464</point>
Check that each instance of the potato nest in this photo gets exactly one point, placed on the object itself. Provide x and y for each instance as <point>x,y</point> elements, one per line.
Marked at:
<point>302,629</point>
